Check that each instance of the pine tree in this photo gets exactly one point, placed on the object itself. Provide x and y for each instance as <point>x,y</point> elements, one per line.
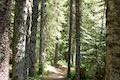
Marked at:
<point>4,39</point>
<point>28,34</point>
<point>19,40</point>
<point>33,38</point>
<point>56,51</point>
<point>113,40</point>
<point>42,24</point>
<point>70,36</point>
<point>77,25</point>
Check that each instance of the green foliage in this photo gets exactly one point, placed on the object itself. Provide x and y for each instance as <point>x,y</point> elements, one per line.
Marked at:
<point>73,75</point>
<point>55,18</point>
<point>92,35</point>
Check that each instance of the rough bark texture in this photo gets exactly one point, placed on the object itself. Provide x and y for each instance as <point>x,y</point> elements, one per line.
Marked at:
<point>77,24</point>
<point>42,23</point>
<point>27,59</point>
<point>4,40</point>
<point>113,40</point>
<point>28,24</point>
<point>19,39</point>
<point>70,37</point>
<point>33,38</point>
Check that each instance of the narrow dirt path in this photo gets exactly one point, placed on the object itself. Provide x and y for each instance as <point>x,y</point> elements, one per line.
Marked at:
<point>56,73</point>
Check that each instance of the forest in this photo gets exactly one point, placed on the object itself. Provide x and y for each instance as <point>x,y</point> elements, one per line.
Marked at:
<point>59,40</point>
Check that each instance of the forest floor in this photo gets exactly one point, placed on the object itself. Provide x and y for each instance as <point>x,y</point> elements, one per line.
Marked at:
<point>55,73</point>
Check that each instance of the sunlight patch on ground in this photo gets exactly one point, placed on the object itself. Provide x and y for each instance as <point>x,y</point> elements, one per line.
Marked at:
<point>55,73</point>
<point>52,69</point>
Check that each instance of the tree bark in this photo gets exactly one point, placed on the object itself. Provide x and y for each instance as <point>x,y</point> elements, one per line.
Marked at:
<point>28,30</point>
<point>56,53</point>
<point>33,38</point>
<point>70,37</point>
<point>42,24</point>
<point>113,40</point>
<point>77,24</point>
<point>19,40</point>
<point>4,39</point>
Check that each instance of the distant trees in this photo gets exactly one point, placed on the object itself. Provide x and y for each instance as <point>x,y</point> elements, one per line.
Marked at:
<point>79,40</point>
<point>113,40</point>
<point>93,49</point>
<point>4,39</point>
<point>55,20</point>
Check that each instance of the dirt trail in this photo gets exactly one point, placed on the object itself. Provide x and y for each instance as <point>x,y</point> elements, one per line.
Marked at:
<point>56,73</point>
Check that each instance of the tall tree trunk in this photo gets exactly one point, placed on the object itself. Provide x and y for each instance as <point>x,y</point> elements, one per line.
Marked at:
<point>72,57</point>
<point>56,53</point>
<point>70,37</point>
<point>19,39</point>
<point>4,40</point>
<point>113,40</point>
<point>42,24</point>
<point>33,38</point>
<point>27,60</point>
<point>77,24</point>
<point>28,30</point>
